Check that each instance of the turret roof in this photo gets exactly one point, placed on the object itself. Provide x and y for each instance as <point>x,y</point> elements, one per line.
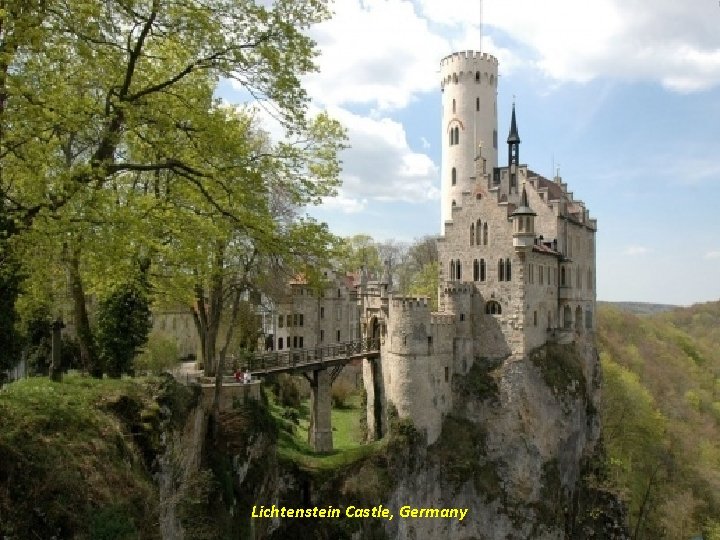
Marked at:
<point>513,137</point>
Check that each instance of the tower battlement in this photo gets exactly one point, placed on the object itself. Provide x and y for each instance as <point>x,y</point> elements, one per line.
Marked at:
<point>459,57</point>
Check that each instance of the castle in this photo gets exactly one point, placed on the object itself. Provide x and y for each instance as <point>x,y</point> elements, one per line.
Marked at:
<point>517,259</point>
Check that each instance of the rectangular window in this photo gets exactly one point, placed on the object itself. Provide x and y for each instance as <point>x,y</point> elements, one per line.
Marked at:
<point>338,313</point>
<point>295,342</point>
<point>542,274</point>
<point>300,319</point>
<point>322,312</point>
<point>280,344</point>
<point>289,320</point>
<point>447,374</point>
<point>295,319</point>
<point>281,320</point>
<point>338,335</point>
<point>300,342</point>
<point>322,336</point>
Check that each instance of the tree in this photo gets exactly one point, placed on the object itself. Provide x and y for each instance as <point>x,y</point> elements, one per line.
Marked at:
<point>123,325</point>
<point>112,138</point>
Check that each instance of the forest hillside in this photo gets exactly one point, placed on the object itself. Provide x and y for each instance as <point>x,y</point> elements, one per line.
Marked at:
<point>661,417</point>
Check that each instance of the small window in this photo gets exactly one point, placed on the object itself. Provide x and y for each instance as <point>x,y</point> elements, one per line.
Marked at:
<point>495,139</point>
<point>482,269</point>
<point>462,317</point>
<point>493,308</point>
<point>453,176</point>
<point>300,317</point>
<point>534,318</point>
<point>280,344</point>
<point>322,312</point>
<point>281,320</point>
<point>339,295</point>
<point>478,238</point>
<point>542,274</point>
<point>289,320</point>
<point>300,342</point>
<point>485,234</point>
<point>453,106</point>
<point>454,204</point>
<point>447,374</point>
<point>337,335</point>
<point>295,319</point>
<point>477,104</point>
<point>477,76</point>
<point>322,336</point>
<point>472,234</point>
<point>501,270</point>
<point>508,270</point>
<point>458,270</point>
<point>476,270</point>
<point>452,270</point>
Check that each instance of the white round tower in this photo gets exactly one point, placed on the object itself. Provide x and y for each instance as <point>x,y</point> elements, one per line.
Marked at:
<point>469,118</point>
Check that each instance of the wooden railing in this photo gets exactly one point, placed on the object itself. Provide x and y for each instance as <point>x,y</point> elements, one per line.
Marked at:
<point>293,358</point>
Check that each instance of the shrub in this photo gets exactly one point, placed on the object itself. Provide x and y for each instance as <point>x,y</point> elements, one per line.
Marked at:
<point>160,354</point>
<point>340,393</point>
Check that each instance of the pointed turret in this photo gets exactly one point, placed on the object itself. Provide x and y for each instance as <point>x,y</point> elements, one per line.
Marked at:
<point>523,225</point>
<point>513,141</point>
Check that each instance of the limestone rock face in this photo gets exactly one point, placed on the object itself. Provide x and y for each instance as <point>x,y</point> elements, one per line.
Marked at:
<point>515,451</point>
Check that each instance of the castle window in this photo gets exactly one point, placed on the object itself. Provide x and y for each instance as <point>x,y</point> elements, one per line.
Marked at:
<point>501,270</point>
<point>337,335</point>
<point>295,342</point>
<point>482,269</point>
<point>588,319</point>
<point>508,270</point>
<point>562,277</point>
<point>493,308</point>
<point>404,340</point>
<point>453,106</point>
<point>281,320</point>
<point>476,270</point>
<point>452,270</point>
<point>458,270</point>
<point>567,317</point>
<point>472,234</point>
<point>477,238</point>
<point>454,204</point>
<point>322,336</point>
<point>447,374</point>
<point>322,312</point>
<point>457,135</point>
<point>477,104</point>
<point>280,344</point>
<point>541,269</point>
<point>495,139</point>
<point>453,176</point>
<point>300,342</point>
<point>477,76</point>
<point>485,234</point>
<point>295,319</point>
<point>462,317</point>
<point>535,318</point>
<point>300,317</point>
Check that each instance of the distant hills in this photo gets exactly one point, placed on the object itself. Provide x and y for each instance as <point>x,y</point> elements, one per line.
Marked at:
<point>661,414</point>
<point>640,308</point>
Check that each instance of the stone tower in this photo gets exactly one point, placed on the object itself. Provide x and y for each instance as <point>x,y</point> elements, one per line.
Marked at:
<point>469,118</point>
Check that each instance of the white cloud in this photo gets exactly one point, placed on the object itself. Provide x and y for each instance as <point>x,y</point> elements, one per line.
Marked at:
<point>344,204</point>
<point>636,250</point>
<point>380,165</point>
<point>674,43</point>
<point>712,255</point>
<point>425,143</point>
<point>375,52</point>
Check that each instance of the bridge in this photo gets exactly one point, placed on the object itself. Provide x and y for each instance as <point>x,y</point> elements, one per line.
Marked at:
<point>320,366</point>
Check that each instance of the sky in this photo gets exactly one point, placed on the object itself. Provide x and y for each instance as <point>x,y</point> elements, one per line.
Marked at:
<point>622,95</point>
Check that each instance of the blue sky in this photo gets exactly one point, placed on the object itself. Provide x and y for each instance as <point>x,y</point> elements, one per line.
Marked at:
<point>623,94</point>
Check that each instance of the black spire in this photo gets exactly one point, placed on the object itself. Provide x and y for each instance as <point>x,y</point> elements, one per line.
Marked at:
<point>513,137</point>
<point>513,152</point>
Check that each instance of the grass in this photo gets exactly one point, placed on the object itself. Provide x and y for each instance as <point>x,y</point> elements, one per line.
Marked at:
<point>72,449</point>
<point>347,443</point>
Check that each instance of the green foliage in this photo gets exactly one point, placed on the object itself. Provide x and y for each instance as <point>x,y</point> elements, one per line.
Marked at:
<point>160,354</point>
<point>425,283</point>
<point>561,368</point>
<point>123,325</point>
<point>340,393</point>
<point>66,456</point>
<point>661,425</point>
<point>112,523</point>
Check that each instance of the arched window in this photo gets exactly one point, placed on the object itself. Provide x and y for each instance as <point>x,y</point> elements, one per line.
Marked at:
<point>453,176</point>
<point>482,269</point>
<point>472,234</point>
<point>457,135</point>
<point>493,308</point>
<point>452,270</point>
<point>508,271</point>
<point>458,269</point>
<point>453,106</point>
<point>477,236</point>
<point>485,234</point>
<point>578,319</point>
<point>476,270</point>
<point>501,270</point>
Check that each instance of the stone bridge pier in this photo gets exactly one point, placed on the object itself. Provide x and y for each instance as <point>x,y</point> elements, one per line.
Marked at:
<point>320,430</point>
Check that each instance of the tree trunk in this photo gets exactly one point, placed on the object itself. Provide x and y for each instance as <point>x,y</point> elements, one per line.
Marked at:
<point>223,352</point>
<point>88,355</point>
<point>56,358</point>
